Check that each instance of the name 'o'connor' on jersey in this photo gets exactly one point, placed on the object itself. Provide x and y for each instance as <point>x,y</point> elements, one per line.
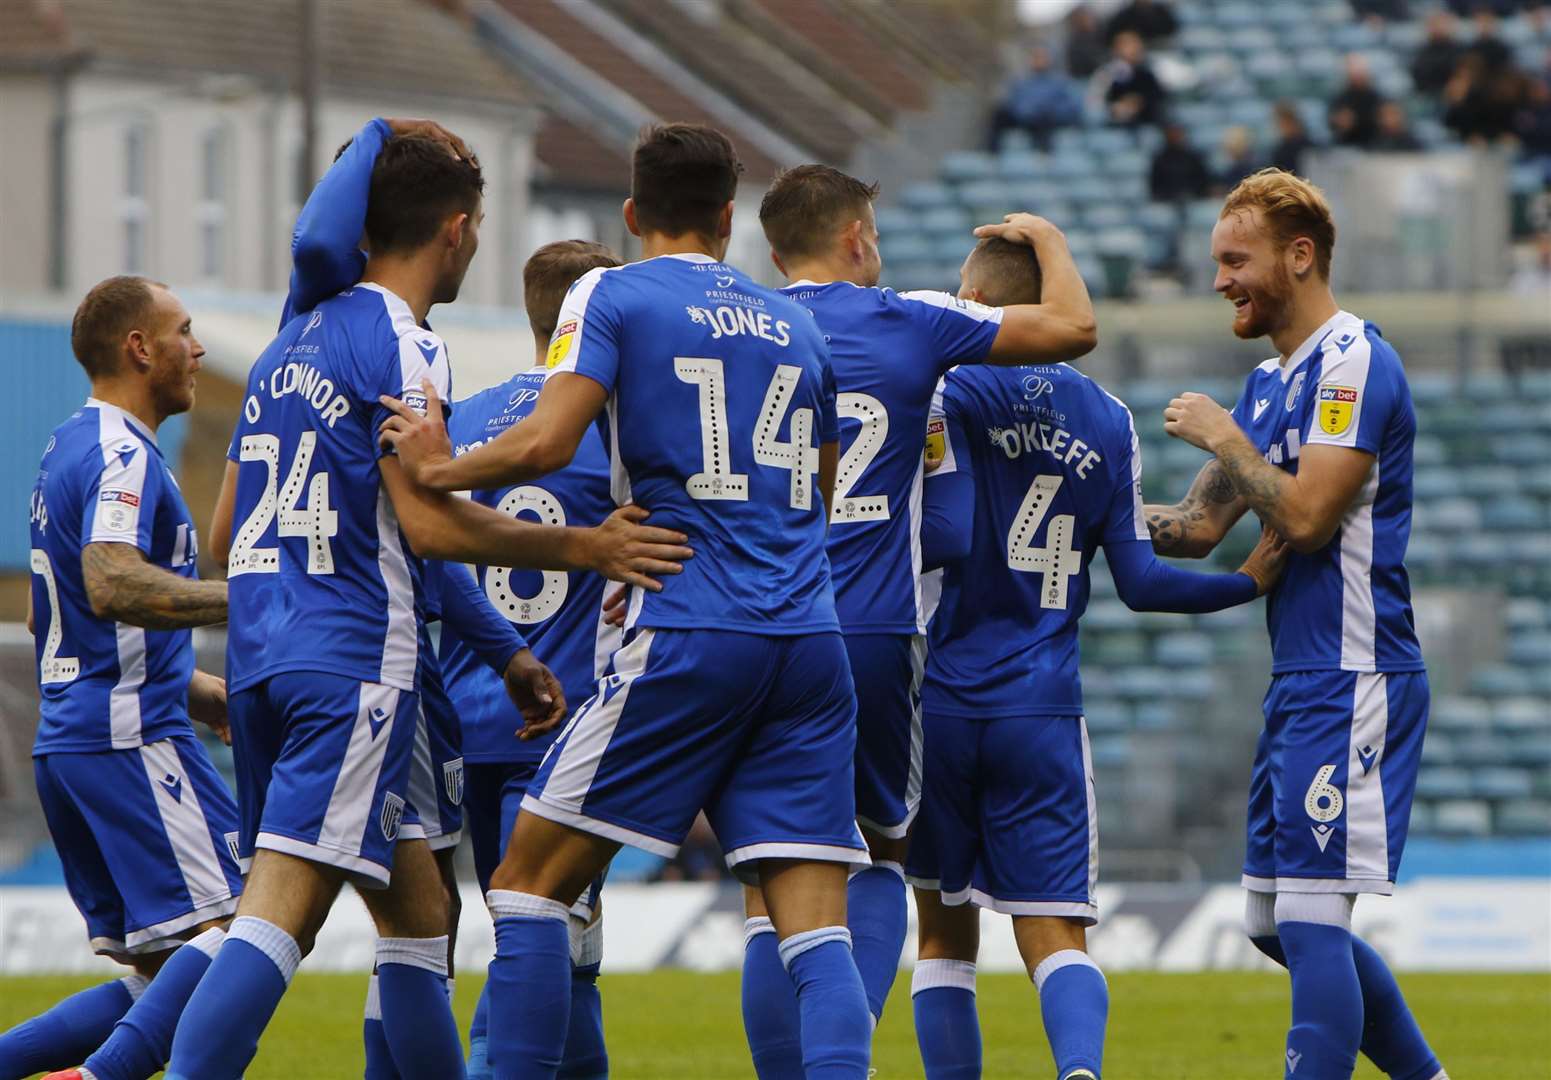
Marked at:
<point>1057,474</point>
<point>106,685</point>
<point>321,576</point>
<point>558,613</point>
<point>888,350</point>
<point>720,393</point>
<point>1347,606</point>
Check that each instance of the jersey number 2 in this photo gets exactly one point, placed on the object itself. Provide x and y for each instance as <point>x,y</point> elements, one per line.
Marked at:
<point>319,522</point>
<point>1058,560</point>
<point>716,480</point>
<point>53,668</point>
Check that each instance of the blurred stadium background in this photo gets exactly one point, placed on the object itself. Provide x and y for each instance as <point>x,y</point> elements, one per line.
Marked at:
<point>178,138</point>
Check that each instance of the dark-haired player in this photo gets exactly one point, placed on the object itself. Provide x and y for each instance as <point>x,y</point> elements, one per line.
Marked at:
<point>888,351</point>
<point>1034,469</point>
<point>732,691</point>
<point>323,654</point>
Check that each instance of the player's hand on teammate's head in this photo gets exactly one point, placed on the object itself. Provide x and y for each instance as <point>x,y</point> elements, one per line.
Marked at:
<point>615,605</point>
<point>623,549</point>
<point>418,440</point>
<point>536,692</point>
<point>1267,561</point>
<point>207,703</point>
<point>432,130</point>
<point>1020,228</point>
<point>1199,421</point>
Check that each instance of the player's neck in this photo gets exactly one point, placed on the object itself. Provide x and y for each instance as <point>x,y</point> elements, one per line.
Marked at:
<point>406,278</point>
<point>1308,315</point>
<point>133,396</point>
<point>654,245</point>
<point>820,272</point>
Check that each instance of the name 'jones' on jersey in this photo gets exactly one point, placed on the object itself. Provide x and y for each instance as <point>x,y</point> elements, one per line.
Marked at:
<point>720,393</point>
<point>321,576</point>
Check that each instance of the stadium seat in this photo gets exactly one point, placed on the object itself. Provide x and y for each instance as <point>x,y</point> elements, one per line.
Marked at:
<point>1501,783</point>
<point>1498,681</point>
<point>1527,713</point>
<point>1461,714</point>
<point>1533,751</point>
<point>1437,749</point>
<point>924,196</point>
<point>1184,650</point>
<point>947,219</point>
<point>1105,715</point>
<point>1524,817</point>
<point>1462,818</point>
<point>1477,750</point>
<point>968,165</point>
<point>1443,783</point>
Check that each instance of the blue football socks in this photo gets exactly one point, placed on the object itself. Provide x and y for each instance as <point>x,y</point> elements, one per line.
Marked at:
<point>142,1041</point>
<point>379,1056</point>
<point>878,918</point>
<point>219,1031</point>
<point>836,1025</point>
<point>1327,1003</point>
<point>1074,1003</point>
<point>771,1022</point>
<point>530,986</point>
<point>586,1055</point>
<point>942,993</point>
<point>417,1017</point>
<point>479,1056</point>
<point>67,1033</point>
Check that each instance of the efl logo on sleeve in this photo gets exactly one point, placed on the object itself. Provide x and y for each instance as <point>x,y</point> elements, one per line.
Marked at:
<point>936,442</point>
<point>560,344</point>
<point>1336,406</point>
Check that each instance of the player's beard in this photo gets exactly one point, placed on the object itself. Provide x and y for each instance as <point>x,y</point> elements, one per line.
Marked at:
<point>172,385</point>
<point>1267,308</point>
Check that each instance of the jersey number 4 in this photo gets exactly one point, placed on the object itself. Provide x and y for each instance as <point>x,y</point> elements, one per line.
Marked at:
<point>716,480</point>
<point>1058,560</point>
<point>319,522</point>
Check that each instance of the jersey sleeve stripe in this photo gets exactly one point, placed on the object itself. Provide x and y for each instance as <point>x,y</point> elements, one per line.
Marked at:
<point>1344,373</point>
<point>116,514</point>
<point>969,309</point>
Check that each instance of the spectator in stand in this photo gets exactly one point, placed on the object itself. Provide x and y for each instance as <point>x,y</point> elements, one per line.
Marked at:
<point>1179,173</point>
<point>1532,125</point>
<point>1133,96</point>
<point>1148,19</point>
<point>1039,102</point>
<point>1085,48</point>
<point>1292,138</point>
<point>1354,112</point>
<point>1395,135</point>
<point>1488,45</point>
<point>1238,159</point>
<point>1480,103</point>
<point>1439,56</point>
<point>1378,11</point>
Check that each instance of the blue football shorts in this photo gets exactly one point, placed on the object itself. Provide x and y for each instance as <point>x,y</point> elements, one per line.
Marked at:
<point>1330,791</point>
<point>322,769</point>
<point>759,731</point>
<point>434,803</point>
<point>1008,820</point>
<point>147,840</point>
<point>887,670</point>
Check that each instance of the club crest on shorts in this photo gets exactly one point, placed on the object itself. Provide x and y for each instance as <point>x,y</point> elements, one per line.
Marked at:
<point>452,780</point>
<point>231,846</point>
<point>1336,404</point>
<point>392,815</point>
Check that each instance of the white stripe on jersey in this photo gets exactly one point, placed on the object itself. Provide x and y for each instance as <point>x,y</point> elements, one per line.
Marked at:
<point>1347,368</point>
<point>968,308</point>
<point>401,642</point>
<point>355,786</point>
<point>183,820</point>
<point>619,478</point>
<point>124,701</point>
<point>915,510</point>
<point>1367,830</point>
<point>422,353</point>
<point>124,460</point>
<point>1093,813</point>
<point>1359,619</point>
<point>1138,519</point>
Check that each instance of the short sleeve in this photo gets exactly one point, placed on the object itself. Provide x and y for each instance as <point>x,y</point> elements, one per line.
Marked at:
<point>586,340</point>
<point>1243,409</point>
<point>1124,519</point>
<point>947,448</point>
<point>960,331</point>
<point>416,357</point>
<point>1355,396</point>
<point>124,483</point>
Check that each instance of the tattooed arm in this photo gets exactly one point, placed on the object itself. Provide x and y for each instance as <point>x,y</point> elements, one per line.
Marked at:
<point>1306,508</point>
<point>123,586</point>
<point>1196,524</point>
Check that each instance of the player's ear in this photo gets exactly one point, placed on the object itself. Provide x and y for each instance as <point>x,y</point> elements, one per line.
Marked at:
<point>457,230</point>
<point>628,210</point>
<point>137,350</point>
<point>779,265</point>
<point>1301,256</point>
<point>724,223</point>
<point>851,238</point>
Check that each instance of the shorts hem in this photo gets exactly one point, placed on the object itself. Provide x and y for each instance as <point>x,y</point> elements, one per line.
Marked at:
<point>606,829</point>
<point>929,884</point>
<point>799,850</point>
<point>368,873</point>
<point>1381,886</point>
<point>445,840</point>
<point>1257,883</point>
<point>888,832</point>
<point>411,831</point>
<point>1084,910</point>
<point>163,935</point>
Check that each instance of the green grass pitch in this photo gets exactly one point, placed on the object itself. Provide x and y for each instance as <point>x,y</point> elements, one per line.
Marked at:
<point>1161,1027</point>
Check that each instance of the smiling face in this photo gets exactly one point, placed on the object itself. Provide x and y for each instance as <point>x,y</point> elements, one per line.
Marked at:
<point>1252,273</point>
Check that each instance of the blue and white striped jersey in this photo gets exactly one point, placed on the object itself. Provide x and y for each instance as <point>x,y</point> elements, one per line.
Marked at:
<point>1057,474</point>
<point>321,576</point>
<point>559,613</point>
<point>106,685</point>
<point>888,350</point>
<point>720,394</point>
<point>1346,607</point>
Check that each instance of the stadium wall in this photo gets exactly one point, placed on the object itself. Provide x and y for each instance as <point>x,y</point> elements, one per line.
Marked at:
<point>1456,924</point>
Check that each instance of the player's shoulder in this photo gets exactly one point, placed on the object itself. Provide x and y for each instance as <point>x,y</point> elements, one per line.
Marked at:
<point>370,308</point>
<point>485,414</point>
<point>932,302</point>
<point>1357,349</point>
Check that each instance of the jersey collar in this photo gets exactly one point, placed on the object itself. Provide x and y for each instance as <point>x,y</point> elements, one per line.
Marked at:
<point>689,256</point>
<point>1312,343</point>
<point>129,418</point>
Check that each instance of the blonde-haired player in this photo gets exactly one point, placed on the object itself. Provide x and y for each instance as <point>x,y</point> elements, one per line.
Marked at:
<point>1319,447</point>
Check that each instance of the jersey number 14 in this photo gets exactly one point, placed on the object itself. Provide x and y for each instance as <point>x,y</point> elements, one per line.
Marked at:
<point>716,480</point>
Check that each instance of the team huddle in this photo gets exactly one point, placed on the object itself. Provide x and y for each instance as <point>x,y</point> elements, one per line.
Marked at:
<point>852,531</point>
